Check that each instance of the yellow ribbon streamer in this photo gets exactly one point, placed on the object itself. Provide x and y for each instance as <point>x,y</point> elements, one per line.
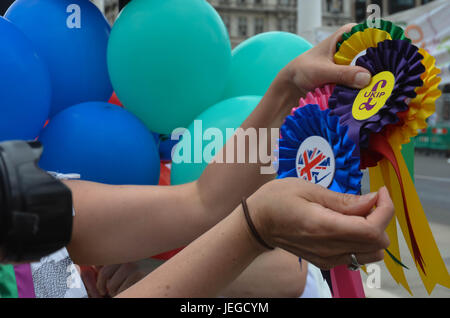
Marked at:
<point>435,269</point>
<point>420,108</point>
<point>377,181</point>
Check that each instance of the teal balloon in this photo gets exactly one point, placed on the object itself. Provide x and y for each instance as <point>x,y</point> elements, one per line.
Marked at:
<point>257,61</point>
<point>169,60</point>
<point>230,113</point>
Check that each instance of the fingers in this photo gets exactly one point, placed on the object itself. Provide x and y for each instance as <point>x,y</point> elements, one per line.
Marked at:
<point>330,43</point>
<point>337,36</point>
<point>360,205</point>
<point>130,281</point>
<point>352,76</point>
<point>104,274</point>
<point>120,276</point>
<point>384,212</point>
<point>345,259</point>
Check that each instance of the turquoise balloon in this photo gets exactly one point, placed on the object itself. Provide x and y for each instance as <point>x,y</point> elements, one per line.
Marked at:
<point>169,60</point>
<point>230,113</point>
<point>257,61</point>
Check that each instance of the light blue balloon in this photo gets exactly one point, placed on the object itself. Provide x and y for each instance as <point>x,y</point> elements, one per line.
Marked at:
<point>230,113</point>
<point>169,60</point>
<point>71,36</point>
<point>25,89</point>
<point>257,61</point>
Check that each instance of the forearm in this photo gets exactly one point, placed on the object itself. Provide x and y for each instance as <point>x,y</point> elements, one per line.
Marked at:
<point>242,179</point>
<point>206,266</point>
<point>275,274</point>
<point>119,224</point>
<point>115,224</point>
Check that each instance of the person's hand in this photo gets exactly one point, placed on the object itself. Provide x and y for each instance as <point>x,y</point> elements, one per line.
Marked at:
<point>316,68</point>
<point>109,281</point>
<point>319,225</point>
<point>114,279</point>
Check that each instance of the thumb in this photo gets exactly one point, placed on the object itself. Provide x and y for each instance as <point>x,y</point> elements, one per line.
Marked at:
<point>352,76</point>
<point>349,204</point>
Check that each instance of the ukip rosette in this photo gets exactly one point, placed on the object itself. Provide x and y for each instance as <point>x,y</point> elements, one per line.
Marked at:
<point>382,117</point>
<point>396,69</point>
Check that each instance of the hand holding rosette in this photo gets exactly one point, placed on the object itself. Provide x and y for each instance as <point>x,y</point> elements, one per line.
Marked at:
<point>376,120</point>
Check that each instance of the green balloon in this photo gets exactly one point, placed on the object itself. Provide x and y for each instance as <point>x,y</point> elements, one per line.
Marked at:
<point>168,60</point>
<point>257,61</point>
<point>198,145</point>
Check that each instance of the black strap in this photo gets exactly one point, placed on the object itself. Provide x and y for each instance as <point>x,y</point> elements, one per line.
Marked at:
<point>252,226</point>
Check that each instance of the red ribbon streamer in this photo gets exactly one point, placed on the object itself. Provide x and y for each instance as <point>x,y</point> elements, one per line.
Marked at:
<point>379,144</point>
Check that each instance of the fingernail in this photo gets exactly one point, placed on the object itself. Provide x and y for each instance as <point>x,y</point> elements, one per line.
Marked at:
<point>362,79</point>
<point>369,196</point>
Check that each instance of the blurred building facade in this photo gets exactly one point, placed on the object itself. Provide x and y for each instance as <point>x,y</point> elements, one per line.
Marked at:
<point>246,18</point>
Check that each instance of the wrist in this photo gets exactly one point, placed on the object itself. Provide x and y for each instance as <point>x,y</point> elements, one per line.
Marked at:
<point>248,234</point>
<point>257,225</point>
<point>283,91</point>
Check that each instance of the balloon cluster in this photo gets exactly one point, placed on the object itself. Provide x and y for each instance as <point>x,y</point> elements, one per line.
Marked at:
<point>355,129</point>
<point>165,63</point>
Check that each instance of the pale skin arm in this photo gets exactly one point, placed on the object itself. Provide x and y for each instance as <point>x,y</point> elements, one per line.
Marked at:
<point>275,274</point>
<point>117,224</point>
<point>218,257</point>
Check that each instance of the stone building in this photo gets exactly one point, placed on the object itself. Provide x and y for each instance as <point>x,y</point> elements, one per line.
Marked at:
<point>246,18</point>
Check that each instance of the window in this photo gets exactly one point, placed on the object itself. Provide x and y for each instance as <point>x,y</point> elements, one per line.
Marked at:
<point>426,1</point>
<point>241,2</point>
<point>259,25</point>
<point>227,21</point>
<point>360,10</point>
<point>242,26</point>
<point>400,5</point>
<point>292,25</point>
<point>284,2</point>
<point>280,25</point>
<point>258,2</point>
<point>335,6</point>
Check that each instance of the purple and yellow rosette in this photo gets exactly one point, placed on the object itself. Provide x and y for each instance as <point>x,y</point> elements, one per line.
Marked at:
<point>396,68</point>
<point>380,123</point>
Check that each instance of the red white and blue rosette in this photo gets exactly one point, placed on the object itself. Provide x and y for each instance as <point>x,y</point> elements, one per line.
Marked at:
<point>315,147</point>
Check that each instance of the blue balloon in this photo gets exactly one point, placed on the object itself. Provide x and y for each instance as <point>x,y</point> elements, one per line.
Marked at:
<point>72,38</point>
<point>25,89</point>
<point>257,61</point>
<point>166,145</point>
<point>101,142</point>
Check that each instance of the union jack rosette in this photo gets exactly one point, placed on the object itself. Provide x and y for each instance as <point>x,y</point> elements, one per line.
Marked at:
<point>315,147</point>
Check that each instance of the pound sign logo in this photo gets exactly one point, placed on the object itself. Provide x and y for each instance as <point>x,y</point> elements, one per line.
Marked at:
<point>372,98</point>
<point>373,95</point>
